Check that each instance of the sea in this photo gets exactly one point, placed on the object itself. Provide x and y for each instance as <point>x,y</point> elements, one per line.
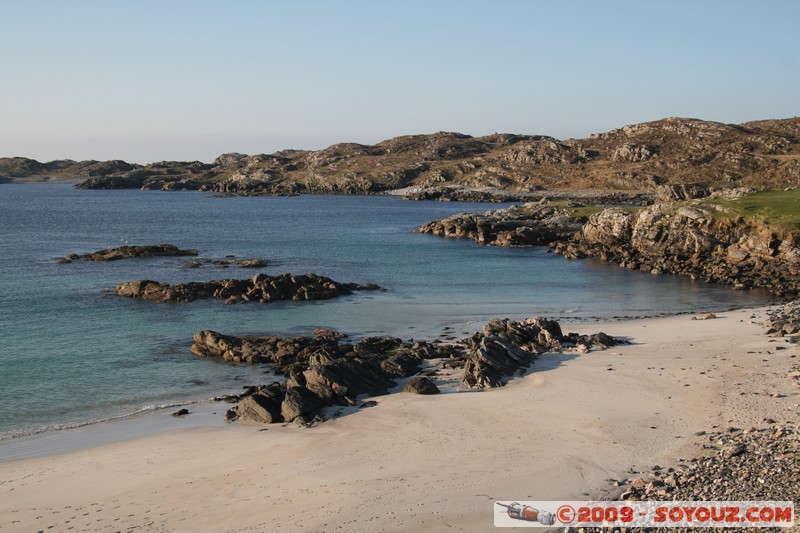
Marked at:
<point>73,353</point>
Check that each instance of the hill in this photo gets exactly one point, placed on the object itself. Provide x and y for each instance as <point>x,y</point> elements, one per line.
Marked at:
<point>638,157</point>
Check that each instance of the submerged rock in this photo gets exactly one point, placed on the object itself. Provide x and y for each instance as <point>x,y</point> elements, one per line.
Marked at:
<point>225,263</point>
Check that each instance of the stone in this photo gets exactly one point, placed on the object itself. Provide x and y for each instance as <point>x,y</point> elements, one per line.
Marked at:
<point>421,385</point>
<point>299,401</point>
<point>258,408</point>
<point>325,332</point>
<point>603,341</point>
<point>735,450</point>
<point>341,381</point>
<point>637,484</point>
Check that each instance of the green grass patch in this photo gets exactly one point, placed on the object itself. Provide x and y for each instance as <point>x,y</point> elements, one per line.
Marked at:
<point>777,209</point>
<point>581,213</point>
<point>216,178</point>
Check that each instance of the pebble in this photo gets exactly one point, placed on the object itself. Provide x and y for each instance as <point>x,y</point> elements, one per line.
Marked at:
<point>756,464</point>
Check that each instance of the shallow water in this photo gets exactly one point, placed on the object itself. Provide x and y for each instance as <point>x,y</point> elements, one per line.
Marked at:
<point>72,353</point>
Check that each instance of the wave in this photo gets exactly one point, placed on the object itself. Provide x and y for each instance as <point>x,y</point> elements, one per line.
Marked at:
<point>59,427</point>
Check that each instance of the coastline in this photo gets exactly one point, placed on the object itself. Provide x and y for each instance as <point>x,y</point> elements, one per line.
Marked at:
<point>559,432</point>
<point>207,412</point>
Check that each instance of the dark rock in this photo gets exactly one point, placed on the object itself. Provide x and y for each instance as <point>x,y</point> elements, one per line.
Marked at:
<point>259,408</point>
<point>299,401</point>
<point>323,370</point>
<point>181,412</point>
<point>493,360</point>
<point>224,263</point>
<point>735,450</point>
<point>421,385</point>
<point>603,341</point>
<point>261,288</point>
<point>340,381</point>
<point>400,364</point>
<point>129,252</point>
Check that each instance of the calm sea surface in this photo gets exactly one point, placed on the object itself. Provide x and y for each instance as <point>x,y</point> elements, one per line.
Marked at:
<point>71,353</point>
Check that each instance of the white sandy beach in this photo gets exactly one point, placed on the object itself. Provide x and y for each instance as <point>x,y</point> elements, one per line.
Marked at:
<point>422,463</point>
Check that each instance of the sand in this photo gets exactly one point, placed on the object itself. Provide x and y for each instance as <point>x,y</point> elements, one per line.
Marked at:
<point>433,463</point>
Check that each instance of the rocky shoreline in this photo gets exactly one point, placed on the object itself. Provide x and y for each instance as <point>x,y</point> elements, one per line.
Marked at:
<point>260,288</point>
<point>323,370</point>
<point>681,238</point>
<point>688,241</point>
<point>498,195</point>
<point>530,224</point>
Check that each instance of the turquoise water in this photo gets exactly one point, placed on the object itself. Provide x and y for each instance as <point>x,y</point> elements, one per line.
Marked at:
<point>72,353</point>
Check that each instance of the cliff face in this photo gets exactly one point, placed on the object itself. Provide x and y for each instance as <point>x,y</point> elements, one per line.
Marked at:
<point>673,151</point>
<point>688,240</point>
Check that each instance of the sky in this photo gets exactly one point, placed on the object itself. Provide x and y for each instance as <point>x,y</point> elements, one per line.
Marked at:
<point>152,80</point>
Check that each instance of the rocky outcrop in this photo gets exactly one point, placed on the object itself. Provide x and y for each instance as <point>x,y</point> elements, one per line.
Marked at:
<point>524,225</point>
<point>129,252</point>
<point>507,346</point>
<point>688,240</point>
<point>321,370</point>
<point>260,288</point>
<point>326,370</point>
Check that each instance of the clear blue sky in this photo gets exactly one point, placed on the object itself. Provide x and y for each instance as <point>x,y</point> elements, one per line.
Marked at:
<point>147,80</point>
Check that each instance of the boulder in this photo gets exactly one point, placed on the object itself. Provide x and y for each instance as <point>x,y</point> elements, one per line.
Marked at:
<point>493,360</point>
<point>299,401</point>
<point>259,408</point>
<point>603,341</point>
<point>340,381</point>
<point>421,385</point>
